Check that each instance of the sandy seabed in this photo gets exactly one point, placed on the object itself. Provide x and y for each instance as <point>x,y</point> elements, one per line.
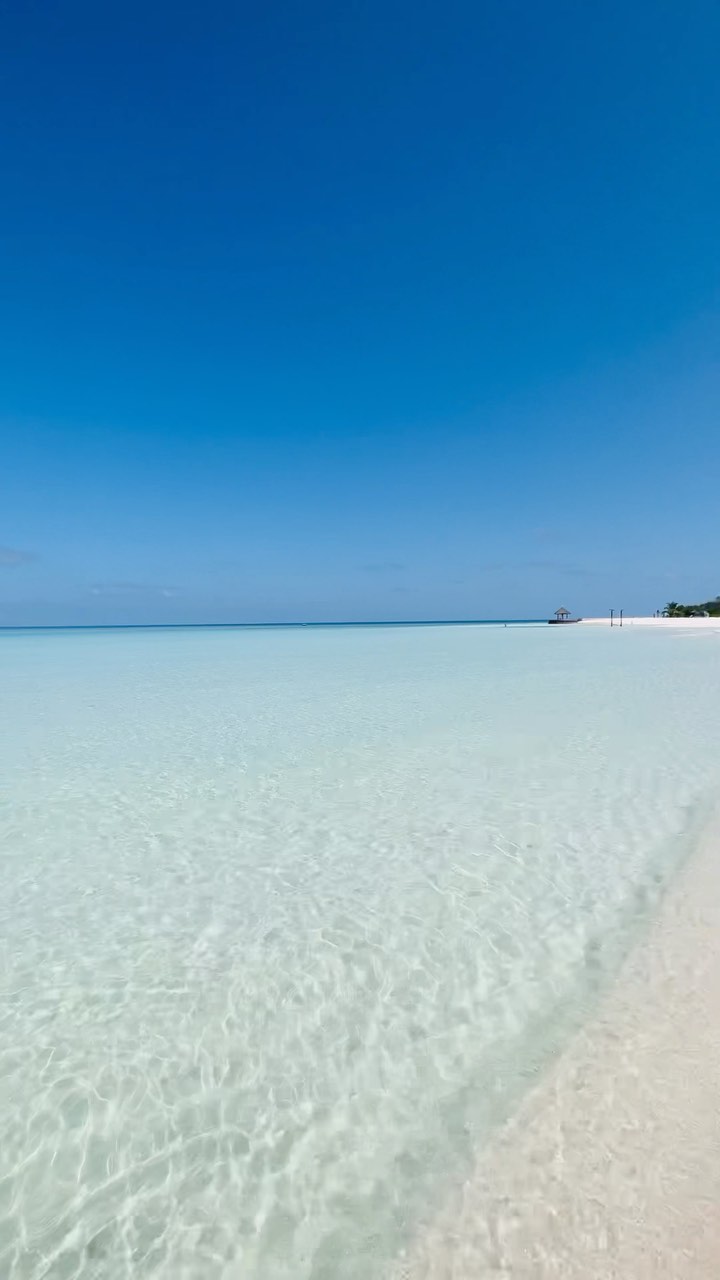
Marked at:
<point>612,1166</point>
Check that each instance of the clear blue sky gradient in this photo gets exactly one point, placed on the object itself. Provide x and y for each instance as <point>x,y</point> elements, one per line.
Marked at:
<point>333,311</point>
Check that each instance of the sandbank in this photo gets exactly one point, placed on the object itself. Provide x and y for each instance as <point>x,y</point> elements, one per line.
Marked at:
<point>669,624</point>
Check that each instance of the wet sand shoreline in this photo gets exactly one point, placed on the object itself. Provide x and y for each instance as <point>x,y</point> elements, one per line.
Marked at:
<point>611,1168</point>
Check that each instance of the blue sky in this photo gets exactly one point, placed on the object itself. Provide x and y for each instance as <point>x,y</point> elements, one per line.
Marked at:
<point>320,311</point>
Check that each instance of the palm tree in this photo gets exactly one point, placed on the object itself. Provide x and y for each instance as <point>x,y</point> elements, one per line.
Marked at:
<point>671,609</point>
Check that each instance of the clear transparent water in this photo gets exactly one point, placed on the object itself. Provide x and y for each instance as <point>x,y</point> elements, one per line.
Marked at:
<point>289,918</point>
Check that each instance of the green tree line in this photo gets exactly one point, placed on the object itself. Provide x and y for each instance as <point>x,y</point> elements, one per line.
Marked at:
<point>675,610</point>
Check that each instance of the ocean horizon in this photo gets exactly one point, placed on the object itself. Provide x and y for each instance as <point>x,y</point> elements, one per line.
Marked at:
<point>255,626</point>
<point>295,914</point>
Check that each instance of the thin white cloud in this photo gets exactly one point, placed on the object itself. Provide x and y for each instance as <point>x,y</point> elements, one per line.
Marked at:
<point>144,589</point>
<point>10,557</point>
<point>384,566</point>
<point>540,566</point>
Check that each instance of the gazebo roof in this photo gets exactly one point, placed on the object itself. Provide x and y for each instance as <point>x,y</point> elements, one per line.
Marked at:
<point>567,611</point>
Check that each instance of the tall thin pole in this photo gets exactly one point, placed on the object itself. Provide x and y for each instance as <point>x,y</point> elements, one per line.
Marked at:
<point>621,614</point>
<point>611,616</point>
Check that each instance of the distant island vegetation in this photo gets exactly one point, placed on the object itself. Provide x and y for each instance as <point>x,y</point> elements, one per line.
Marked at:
<point>710,609</point>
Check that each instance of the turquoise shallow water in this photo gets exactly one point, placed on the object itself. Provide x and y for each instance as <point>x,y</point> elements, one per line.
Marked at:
<point>290,917</point>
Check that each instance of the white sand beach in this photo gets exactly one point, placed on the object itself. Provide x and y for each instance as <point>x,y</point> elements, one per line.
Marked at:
<point>612,1166</point>
<point>666,624</point>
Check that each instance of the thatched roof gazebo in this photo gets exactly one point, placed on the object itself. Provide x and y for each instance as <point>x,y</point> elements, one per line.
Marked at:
<point>562,615</point>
